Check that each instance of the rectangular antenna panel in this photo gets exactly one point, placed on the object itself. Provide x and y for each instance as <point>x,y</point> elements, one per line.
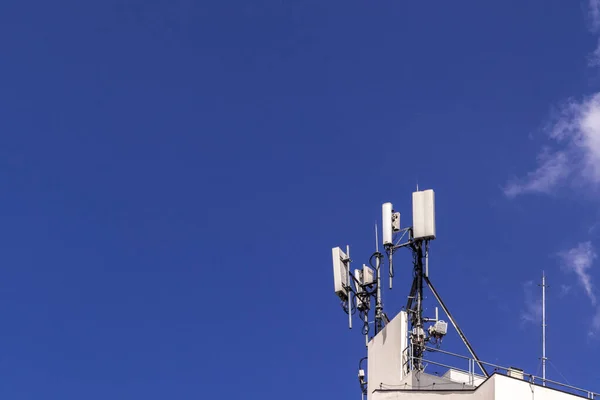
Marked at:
<point>386,223</point>
<point>424,214</point>
<point>340,273</point>
<point>368,275</point>
<point>358,275</point>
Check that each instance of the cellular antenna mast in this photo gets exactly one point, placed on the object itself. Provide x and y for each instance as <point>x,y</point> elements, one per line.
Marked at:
<point>365,284</point>
<point>402,352</point>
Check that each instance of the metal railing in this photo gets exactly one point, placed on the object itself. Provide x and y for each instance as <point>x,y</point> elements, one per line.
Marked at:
<point>472,376</point>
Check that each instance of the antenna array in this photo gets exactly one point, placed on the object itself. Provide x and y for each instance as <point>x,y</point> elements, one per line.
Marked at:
<point>357,290</point>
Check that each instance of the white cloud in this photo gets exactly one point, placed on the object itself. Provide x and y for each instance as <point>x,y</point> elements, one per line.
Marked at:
<point>552,169</point>
<point>576,130</point>
<point>533,304</point>
<point>573,158</point>
<point>579,260</point>
<point>594,16</point>
<point>594,6</point>
<point>575,136</point>
<point>594,58</point>
<point>595,325</point>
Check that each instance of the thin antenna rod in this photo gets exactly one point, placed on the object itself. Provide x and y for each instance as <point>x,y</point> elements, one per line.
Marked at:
<point>427,258</point>
<point>391,262</point>
<point>543,328</point>
<point>366,322</point>
<point>349,290</point>
<point>376,239</point>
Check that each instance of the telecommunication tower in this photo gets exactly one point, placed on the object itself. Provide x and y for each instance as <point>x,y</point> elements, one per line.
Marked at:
<point>399,349</point>
<point>357,290</point>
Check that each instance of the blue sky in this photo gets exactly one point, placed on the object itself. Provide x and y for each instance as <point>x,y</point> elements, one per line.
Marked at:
<point>174,175</point>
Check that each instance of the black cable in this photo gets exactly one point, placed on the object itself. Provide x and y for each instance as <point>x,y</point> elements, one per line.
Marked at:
<point>345,308</point>
<point>391,273</point>
<point>361,361</point>
<point>376,254</point>
<point>363,386</point>
<point>343,305</point>
<point>365,328</point>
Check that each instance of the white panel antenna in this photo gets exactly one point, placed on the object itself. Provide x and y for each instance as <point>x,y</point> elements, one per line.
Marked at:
<point>368,275</point>
<point>358,276</point>
<point>424,214</point>
<point>340,273</point>
<point>386,223</point>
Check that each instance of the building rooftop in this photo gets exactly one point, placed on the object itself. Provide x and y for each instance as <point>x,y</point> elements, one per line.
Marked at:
<point>391,378</point>
<point>420,385</point>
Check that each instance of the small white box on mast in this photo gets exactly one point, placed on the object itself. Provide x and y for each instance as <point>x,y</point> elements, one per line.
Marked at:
<point>424,214</point>
<point>396,221</point>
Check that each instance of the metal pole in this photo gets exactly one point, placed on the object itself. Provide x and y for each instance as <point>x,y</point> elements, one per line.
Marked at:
<point>419,286</point>
<point>367,324</point>
<point>543,328</point>
<point>471,371</point>
<point>427,258</point>
<point>390,255</point>
<point>378,305</point>
<point>420,300</point>
<point>349,289</point>
<point>417,336</point>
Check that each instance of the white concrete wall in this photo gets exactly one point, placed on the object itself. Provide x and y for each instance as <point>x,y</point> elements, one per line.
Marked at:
<point>516,389</point>
<point>460,376</point>
<point>484,392</point>
<point>385,351</point>
<point>422,381</point>
<point>498,387</point>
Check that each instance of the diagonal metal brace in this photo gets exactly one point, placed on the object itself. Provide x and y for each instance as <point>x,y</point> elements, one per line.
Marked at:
<point>460,333</point>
